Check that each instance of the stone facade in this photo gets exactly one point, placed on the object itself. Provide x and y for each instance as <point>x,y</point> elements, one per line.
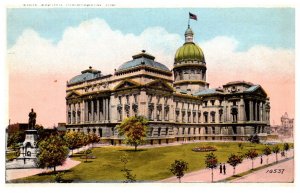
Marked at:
<point>179,104</point>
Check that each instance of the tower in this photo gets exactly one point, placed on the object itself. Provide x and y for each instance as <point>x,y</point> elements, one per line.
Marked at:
<point>189,66</point>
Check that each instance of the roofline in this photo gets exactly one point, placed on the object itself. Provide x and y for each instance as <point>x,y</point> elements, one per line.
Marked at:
<point>169,72</point>
<point>238,83</point>
<point>93,79</point>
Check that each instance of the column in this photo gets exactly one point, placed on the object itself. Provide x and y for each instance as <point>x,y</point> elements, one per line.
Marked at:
<point>71,110</point>
<point>250,110</point>
<point>154,109</point>
<point>85,111</point>
<point>163,111</point>
<point>104,109</point>
<point>98,110</point>
<point>67,113</point>
<point>259,111</point>
<point>242,111</point>
<point>75,109</point>
<point>263,112</point>
<point>108,109</point>
<point>217,115</point>
<point>92,111</point>
<point>82,112</point>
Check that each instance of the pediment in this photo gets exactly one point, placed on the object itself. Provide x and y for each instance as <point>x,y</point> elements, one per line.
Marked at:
<point>160,85</point>
<point>257,90</point>
<point>126,84</point>
<point>73,94</point>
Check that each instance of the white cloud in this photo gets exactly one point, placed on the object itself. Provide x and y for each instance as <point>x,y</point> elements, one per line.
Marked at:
<point>94,43</point>
<point>259,64</point>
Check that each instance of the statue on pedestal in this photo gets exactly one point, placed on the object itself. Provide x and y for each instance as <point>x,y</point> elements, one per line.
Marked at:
<point>29,148</point>
<point>32,119</point>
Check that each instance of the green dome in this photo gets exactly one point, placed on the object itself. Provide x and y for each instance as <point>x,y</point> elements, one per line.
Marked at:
<point>189,51</point>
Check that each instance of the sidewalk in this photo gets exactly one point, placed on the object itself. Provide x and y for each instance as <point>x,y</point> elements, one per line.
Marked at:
<point>12,174</point>
<point>204,175</point>
<point>265,175</point>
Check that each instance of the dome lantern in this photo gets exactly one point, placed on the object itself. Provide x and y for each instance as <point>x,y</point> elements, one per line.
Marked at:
<point>189,35</point>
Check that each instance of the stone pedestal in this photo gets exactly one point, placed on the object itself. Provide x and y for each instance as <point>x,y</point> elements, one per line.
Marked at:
<point>28,152</point>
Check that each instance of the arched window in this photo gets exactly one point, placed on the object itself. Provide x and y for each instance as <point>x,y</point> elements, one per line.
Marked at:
<point>159,131</point>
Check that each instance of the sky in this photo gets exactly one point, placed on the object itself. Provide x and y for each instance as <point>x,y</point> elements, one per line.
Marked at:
<point>47,47</point>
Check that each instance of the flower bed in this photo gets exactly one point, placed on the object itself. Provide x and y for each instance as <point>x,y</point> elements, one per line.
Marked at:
<point>204,149</point>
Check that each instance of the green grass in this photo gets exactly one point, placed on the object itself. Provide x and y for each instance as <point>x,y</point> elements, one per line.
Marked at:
<point>147,164</point>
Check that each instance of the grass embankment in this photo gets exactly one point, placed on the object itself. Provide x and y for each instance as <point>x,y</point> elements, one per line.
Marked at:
<point>147,164</point>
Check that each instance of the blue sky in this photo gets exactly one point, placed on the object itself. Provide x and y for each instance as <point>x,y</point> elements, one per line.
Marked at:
<point>272,27</point>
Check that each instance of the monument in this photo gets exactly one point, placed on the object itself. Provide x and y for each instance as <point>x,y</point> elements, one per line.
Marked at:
<point>28,149</point>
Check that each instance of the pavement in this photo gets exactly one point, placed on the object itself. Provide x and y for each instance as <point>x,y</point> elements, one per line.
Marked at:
<point>12,174</point>
<point>204,175</point>
<point>281,172</point>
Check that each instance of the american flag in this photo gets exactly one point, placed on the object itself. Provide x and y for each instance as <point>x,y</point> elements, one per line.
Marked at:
<point>193,16</point>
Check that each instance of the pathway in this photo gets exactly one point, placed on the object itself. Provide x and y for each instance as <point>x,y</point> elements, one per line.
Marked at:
<point>269,175</point>
<point>12,174</point>
<point>204,175</point>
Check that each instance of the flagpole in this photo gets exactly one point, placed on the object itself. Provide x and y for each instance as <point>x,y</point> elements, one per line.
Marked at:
<point>189,22</point>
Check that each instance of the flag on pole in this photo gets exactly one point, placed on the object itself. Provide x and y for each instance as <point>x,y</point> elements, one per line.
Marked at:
<point>193,16</point>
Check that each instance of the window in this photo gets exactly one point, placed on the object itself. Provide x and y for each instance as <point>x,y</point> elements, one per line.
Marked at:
<point>158,99</point>
<point>183,116</point>
<point>206,130</point>
<point>205,117</point>
<point>212,116</point>
<point>220,115</point>
<point>212,102</point>
<point>159,131</point>
<point>213,130</point>
<point>189,117</point>
<point>149,98</point>
<point>69,117</point>
<point>199,117</point>
<point>127,99</point>
<point>135,98</point>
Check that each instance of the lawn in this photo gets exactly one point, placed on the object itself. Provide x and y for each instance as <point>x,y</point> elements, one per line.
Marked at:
<point>147,164</point>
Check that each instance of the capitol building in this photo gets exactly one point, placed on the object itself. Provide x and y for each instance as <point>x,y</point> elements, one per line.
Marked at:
<point>178,102</point>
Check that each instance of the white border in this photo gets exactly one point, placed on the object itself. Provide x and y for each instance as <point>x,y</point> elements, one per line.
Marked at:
<point>145,187</point>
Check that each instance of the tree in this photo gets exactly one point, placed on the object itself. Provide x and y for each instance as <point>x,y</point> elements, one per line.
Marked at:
<point>276,151</point>
<point>87,153</point>
<point>127,172</point>
<point>234,160</point>
<point>134,130</point>
<point>267,151</point>
<point>178,168</point>
<point>211,162</point>
<point>14,139</point>
<point>251,154</point>
<point>286,148</point>
<point>72,140</point>
<point>94,138</point>
<point>53,152</point>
